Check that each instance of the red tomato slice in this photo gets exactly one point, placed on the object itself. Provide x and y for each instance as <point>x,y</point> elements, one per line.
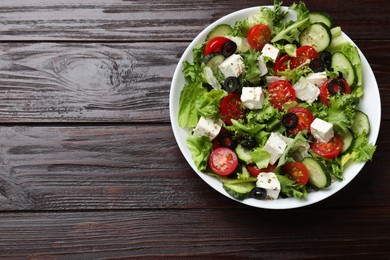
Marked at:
<point>280,92</point>
<point>303,54</point>
<point>324,91</point>
<point>230,108</point>
<point>223,161</point>
<point>282,64</point>
<point>258,36</point>
<point>328,150</point>
<point>254,171</point>
<point>214,45</point>
<point>305,118</point>
<point>297,172</point>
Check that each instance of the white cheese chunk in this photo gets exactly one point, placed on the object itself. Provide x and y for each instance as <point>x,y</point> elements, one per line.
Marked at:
<point>272,79</point>
<point>275,145</point>
<point>252,97</point>
<point>262,66</point>
<point>322,130</point>
<point>269,181</point>
<point>316,78</point>
<point>306,91</point>
<point>211,79</point>
<point>270,51</point>
<point>207,127</point>
<point>241,42</point>
<point>233,66</point>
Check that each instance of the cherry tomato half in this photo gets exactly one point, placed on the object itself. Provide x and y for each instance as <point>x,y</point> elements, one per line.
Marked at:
<point>303,54</point>
<point>223,161</point>
<point>282,64</point>
<point>297,172</point>
<point>214,45</point>
<point>305,118</point>
<point>340,85</point>
<point>258,36</point>
<point>254,171</point>
<point>230,108</point>
<point>280,92</point>
<point>328,150</point>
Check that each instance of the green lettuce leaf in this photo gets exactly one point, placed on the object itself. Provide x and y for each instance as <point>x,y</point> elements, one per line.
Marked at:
<point>291,189</point>
<point>252,69</point>
<point>200,148</point>
<point>361,151</point>
<point>208,104</point>
<point>341,112</point>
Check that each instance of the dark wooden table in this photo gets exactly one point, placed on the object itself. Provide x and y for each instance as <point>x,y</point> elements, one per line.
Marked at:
<point>89,167</point>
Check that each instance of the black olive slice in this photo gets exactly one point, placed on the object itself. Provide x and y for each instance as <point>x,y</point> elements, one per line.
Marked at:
<point>226,140</point>
<point>229,48</point>
<point>317,65</point>
<point>290,120</point>
<point>249,144</point>
<point>231,84</point>
<point>336,86</point>
<point>259,193</point>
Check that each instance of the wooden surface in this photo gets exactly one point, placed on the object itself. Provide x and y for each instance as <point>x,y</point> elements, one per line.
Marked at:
<point>89,167</point>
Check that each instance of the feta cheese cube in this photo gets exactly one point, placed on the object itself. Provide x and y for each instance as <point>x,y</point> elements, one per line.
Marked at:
<point>252,97</point>
<point>322,130</point>
<point>316,78</point>
<point>241,42</point>
<point>262,66</point>
<point>207,127</point>
<point>306,91</point>
<point>272,79</point>
<point>269,181</point>
<point>275,145</point>
<point>233,66</point>
<point>270,51</point>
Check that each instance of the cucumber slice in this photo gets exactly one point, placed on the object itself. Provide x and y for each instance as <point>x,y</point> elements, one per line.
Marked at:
<point>243,154</point>
<point>336,32</point>
<point>213,60</point>
<point>239,191</point>
<point>361,123</point>
<point>317,35</point>
<point>219,30</point>
<point>321,17</point>
<point>319,176</point>
<point>347,138</point>
<point>341,63</point>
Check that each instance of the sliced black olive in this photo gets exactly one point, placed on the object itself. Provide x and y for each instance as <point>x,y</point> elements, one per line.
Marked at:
<point>259,193</point>
<point>226,140</point>
<point>336,86</point>
<point>290,120</point>
<point>249,144</point>
<point>231,84</point>
<point>326,57</point>
<point>317,65</point>
<point>229,48</point>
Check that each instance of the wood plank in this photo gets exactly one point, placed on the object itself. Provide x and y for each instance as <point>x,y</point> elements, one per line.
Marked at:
<point>247,233</point>
<point>115,20</point>
<point>79,82</point>
<point>132,167</point>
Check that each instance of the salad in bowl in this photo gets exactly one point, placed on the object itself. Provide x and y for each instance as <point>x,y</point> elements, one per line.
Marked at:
<point>270,106</point>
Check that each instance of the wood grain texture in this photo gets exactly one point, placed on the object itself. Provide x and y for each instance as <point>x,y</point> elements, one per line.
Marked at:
<point>174,20</point>
<point>82,82</point>
<point>245,233</point>
<point>131,167</point>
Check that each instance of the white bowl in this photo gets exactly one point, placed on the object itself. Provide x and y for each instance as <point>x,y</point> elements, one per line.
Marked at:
<point>370,104</point>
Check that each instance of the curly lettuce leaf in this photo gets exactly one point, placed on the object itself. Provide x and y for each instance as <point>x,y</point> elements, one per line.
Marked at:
<point>200,148</point>
<point>291,189</point>
<point>341,112</point>
<point>208,104</point>
<point>361,151</point>
<point>290,31</point>
<point>252,69</point>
